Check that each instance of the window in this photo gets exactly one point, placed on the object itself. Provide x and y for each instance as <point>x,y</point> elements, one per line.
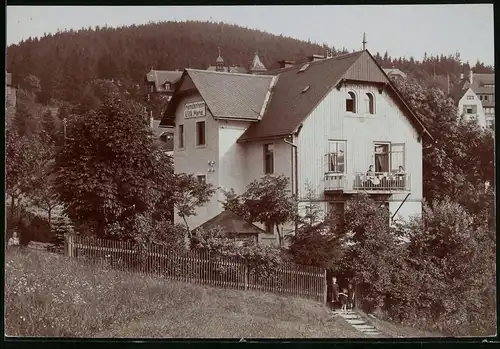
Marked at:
<point>470,97</point>
<point>202,178</point>
<point>370,103</point>
<point>485,97</point>
<point>381,157</point>
<point>268,158</point>
<point>397,156</point>
<point>336,156</point>
<point>470,109</point>
<point>388,157</point>
<point>167,86</point>
<point>181,136</point>
<point>268,227</point>
<point>350,102</point>
<point>200,133</point>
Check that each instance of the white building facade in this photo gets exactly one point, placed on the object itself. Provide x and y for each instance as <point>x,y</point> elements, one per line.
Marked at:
<point>322,124</point>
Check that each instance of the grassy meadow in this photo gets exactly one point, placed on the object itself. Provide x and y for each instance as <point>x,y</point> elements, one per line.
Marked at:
<point>49,295</point>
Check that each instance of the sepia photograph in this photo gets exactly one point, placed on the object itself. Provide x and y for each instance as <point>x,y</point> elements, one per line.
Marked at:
<point>250,172</point>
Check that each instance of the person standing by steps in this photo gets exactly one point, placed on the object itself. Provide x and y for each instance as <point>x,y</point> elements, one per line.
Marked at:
<point>343,300</point>
<point>350,297</point>
<point>335,293</point>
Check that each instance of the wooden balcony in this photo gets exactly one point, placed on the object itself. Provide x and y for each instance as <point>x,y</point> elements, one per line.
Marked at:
<point>335,181</point>
<point>381,182</point>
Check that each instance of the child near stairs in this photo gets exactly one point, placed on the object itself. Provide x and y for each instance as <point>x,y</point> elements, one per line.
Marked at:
<point>343,299</point>
<point>350,297</point>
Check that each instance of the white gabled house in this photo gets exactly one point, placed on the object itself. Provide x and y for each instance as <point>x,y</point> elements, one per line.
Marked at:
<point>338,124</point>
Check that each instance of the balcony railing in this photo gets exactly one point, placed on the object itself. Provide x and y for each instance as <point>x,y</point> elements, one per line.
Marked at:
<point>381,181</point>
<point>334,181</point>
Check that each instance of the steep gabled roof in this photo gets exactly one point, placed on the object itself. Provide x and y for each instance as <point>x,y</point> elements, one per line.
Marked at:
<point>459,90</point>
<point>301,88</point>
<point>228,95</point>
<point>231,223</point>
<point>160,77</point>
<point>257,65</point>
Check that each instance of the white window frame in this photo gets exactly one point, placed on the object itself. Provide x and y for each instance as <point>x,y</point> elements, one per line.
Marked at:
<point>197,135</point>
<point>332,154</point>
<point>355,102</point>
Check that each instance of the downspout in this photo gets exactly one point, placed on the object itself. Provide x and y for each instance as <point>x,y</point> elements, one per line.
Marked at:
<point>394,215</point>
<point>296,182</point>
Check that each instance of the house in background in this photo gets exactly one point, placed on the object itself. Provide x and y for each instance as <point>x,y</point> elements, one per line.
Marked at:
<point>395,72</point>
<point>10,92</point>
<point>159,85</point>
<point>337,124</point>
<point>475,98</point>
<point>164,136</point>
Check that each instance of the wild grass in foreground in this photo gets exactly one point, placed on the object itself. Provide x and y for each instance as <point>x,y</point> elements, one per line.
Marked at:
<point>50,295</point>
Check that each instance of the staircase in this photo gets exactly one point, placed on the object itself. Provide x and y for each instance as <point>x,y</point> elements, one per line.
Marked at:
<point>358,322</point>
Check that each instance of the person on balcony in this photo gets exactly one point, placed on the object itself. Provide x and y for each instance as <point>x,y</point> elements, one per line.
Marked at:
<point>400,175</point>
<point>370,176</point>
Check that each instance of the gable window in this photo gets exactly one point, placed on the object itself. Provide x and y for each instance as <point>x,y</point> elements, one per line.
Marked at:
<point>485,97</point>
<point>202,178</point>
<point>181,136</point>
<point>481,97</point>
<point>336,156</point>
<point>470,109</point>
<point>370,103</point>
<point>269,158</point>
<point>167,86</point>
<point>200,133</point>
<point>470,97</point>
<point>350,102</point>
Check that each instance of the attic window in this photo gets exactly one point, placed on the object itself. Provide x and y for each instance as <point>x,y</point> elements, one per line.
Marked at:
<point>304,67</point>
<point>305,89</point>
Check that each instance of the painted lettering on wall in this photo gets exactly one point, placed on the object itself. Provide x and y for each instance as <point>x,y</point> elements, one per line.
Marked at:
<point>194,110</point>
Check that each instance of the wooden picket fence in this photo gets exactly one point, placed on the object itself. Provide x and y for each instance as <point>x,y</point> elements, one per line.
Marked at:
<point>200,267</point>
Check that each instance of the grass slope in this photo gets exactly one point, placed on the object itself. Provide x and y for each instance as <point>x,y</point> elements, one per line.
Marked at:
<point>50,295</point>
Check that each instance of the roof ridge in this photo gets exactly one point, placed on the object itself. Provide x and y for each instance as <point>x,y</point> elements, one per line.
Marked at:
<point>228,73</point>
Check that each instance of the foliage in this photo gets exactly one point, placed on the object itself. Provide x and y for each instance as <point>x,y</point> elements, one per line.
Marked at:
<point>318,239</point>
<point>461,160</point>
<point>109,169</point>
<point>190,193</point>
<point>267,200</point>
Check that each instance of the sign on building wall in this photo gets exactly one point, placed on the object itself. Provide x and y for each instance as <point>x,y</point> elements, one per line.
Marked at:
<point>194,110</point>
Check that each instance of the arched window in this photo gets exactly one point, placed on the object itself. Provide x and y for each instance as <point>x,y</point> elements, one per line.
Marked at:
<point>350,102</point>
<point>370,103</point>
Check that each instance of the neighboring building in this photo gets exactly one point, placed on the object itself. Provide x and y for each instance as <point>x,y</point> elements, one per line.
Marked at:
<point>159,85</point>
<point>10,92</point>
<point>395,72</point>
<point>221,67</point>
<point>165,136</point>
<point>475,98</point>
<point>342,114</point>
<point>236,228</point>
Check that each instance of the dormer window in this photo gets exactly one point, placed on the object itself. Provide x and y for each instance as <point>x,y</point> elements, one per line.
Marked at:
<point>350,102</point>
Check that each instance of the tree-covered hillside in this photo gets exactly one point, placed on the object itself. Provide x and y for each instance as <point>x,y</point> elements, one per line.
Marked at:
<point>66,61</point>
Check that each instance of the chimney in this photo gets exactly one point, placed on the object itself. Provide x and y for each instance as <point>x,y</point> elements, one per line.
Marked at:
<point>315,58</point>
<point>286,64</point>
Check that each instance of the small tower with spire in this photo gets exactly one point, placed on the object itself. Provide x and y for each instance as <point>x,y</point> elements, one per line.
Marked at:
<point>257,66</point>
<point>219,62</point>
<point>364,41</point>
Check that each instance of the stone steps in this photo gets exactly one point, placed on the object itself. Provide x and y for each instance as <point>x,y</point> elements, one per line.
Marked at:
<point>356,321</point>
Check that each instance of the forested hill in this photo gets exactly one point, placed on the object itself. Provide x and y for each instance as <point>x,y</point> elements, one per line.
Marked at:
<point>66,61</point>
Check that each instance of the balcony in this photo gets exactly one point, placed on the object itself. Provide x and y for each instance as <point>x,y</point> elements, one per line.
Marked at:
<point>335,181</point>
<point>381,182</point>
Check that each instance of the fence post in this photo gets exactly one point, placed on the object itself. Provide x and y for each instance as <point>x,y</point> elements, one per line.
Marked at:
<point>246,275</point>
<point>325,288</point>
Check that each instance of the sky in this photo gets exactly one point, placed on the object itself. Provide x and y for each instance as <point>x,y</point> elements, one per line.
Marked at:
<point>402,30</point>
